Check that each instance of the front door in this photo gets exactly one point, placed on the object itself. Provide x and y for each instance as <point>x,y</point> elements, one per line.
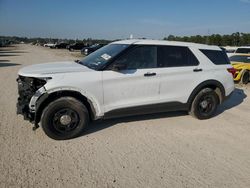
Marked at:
<point>135,86</point>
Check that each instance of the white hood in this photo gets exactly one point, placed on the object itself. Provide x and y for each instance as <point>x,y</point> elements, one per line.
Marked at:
<point>52,68</point>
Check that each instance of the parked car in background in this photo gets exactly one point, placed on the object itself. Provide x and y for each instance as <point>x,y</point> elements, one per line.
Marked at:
<point>124,78</point>
<point>230,50</point>
<point>91,49</point>
<point>76,46</point>
<point>241,62</point>
<point>61,45</point>
<point>4,43</point>
<point>49,45</point>
<point>243,50</point>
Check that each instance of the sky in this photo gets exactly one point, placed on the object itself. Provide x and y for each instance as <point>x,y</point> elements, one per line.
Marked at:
<point>118,19</point>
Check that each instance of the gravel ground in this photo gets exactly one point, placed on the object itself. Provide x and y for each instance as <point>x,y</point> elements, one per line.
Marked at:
<point>163,150</point>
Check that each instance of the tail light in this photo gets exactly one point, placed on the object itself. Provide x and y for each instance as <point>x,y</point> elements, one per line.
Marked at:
<point>232,71</point>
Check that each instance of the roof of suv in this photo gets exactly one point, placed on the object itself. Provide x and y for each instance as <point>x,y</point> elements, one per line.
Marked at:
<point>165,42</point>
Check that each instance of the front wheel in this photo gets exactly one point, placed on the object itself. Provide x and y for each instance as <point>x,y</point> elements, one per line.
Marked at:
<point>205,104</point>
<point>65,118</point>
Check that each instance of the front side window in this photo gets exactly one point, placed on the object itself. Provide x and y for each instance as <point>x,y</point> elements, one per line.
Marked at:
<point>176,56</point>
<point>140,57</point>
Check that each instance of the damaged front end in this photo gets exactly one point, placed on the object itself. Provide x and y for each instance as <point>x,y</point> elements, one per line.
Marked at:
<point>29,90</point>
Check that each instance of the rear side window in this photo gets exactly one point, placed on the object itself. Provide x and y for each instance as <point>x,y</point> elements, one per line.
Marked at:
<point>176,56</point>
<point>216,56</point>
<point>243,50</point>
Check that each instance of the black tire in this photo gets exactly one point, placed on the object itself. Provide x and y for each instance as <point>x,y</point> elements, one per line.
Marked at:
<point>245,78</point>
<point>205,104</point>
<point>64,118</point>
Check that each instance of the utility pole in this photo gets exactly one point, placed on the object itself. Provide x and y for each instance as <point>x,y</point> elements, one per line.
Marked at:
<point>208,34</point>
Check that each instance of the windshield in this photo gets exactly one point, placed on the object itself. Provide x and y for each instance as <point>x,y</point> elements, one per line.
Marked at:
<point>242,59</point>
<point>99,58</point>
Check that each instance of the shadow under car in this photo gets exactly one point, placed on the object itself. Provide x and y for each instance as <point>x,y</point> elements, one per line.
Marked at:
<point>234,100</point>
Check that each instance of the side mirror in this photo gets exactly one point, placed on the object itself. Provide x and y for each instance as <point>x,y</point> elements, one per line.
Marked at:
<point>119,67</point>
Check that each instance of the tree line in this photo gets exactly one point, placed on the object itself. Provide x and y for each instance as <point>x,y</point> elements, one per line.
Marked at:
<point>41,41</point>
<point>235,39</point>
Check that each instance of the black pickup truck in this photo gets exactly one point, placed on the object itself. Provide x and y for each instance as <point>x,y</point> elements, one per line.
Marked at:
<point>76,46</point>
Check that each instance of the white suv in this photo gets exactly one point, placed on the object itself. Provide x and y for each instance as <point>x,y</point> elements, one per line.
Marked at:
<point>124,78</point>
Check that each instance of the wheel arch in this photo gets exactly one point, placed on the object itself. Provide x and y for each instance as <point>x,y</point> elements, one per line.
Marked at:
<point>213,84</point>
<point>47,98</point>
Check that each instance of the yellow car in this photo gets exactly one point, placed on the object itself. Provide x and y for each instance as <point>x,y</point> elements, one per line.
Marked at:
<point>241,62</point>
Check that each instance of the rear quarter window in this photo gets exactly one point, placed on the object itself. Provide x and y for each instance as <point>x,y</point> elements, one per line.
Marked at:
<point>216,56</point>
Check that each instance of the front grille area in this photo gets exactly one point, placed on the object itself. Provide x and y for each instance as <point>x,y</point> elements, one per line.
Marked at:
<point>25,91</point>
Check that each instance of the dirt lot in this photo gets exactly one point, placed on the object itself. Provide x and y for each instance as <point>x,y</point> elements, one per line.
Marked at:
<point>164,150</point>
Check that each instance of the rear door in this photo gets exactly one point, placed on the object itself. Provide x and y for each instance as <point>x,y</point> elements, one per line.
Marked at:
<point>180,72</point>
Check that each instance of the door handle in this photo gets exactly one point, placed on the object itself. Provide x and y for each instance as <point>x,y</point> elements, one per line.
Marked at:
<point>148,74</point>
<point>197,70</point>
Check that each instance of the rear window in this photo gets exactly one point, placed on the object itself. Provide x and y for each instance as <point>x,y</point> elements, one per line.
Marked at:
<point>243,50</point>
<point>216,56</point>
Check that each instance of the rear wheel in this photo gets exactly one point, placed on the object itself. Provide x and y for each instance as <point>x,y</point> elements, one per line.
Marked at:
<point>64,118</point>
<point>205,104</point>
<point>245,77</point>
